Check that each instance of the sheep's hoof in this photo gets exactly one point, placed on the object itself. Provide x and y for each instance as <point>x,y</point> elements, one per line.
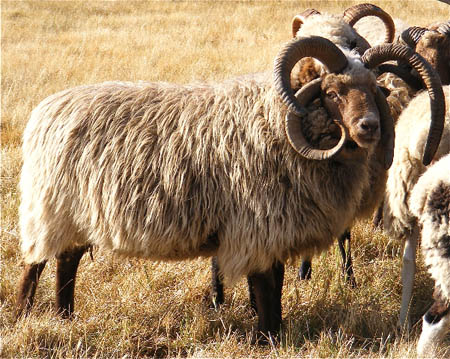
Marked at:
<point>261,338</point>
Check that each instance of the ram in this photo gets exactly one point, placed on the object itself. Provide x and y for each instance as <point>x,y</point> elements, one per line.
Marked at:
<point>430,204</point>
<point>433,45</point>
<point>171,172</point>
<point>338,29</point>
<point>399,222</point>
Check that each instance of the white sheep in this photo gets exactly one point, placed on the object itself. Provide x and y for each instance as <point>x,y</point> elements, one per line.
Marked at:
<point>434,46</point>
<point>430,204</point>
<point>172,172</point>
<point>399,222</point>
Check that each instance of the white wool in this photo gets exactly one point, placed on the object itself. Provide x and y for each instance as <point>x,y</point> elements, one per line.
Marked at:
<point>374,30</point>
<point>411,134</point>
<point>435,221</point>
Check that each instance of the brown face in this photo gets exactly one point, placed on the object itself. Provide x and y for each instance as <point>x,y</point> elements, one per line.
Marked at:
<point>435,48</point>
<point>354,106</point>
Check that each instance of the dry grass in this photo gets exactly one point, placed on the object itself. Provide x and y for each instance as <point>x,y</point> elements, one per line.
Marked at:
<point>135,308</point>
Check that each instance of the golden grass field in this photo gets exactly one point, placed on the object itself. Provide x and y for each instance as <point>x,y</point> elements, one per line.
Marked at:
<point>132,308</point>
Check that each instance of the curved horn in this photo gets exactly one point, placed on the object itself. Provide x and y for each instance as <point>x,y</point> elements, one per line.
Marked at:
<point>386,127</point>
<point>386,52</point>
<point>299,19</point>
<point>356,12</point>
<point>412,35</point>
<point>327,53</point>
<point>444,28</point>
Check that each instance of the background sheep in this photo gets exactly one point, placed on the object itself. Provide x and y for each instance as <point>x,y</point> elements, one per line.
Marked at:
<point>151,159</point>
<point>406,169</point>
<point>430,204</point>
<point>434,45</point>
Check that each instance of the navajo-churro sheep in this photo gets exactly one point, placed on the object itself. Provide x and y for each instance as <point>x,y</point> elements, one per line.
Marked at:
<point>172,172</point>
<point>433,45</point>
<point>430,204</point>
<point>338,29</point>
<point>399,222</point>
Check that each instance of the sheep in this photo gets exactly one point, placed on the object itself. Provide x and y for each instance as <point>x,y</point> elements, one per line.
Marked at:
<point>430,204</point>
<point>171,172</point>
<point>338,29</point>
<point>434,46</point>
<point>433,43</point>
<point>398,220</point>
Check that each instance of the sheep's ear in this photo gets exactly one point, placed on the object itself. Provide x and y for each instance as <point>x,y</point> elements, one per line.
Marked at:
<point>297,23</point>
<point>298,20</point>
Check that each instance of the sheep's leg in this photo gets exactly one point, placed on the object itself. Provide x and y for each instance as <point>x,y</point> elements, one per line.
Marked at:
<point>305,269</point>
<point>251,294</point>
<point>347,263</point>
<point>266,287</point>
<point>377,220</point>
<point>217,296</point>
<point>436,323</point>
<point>278,269</point>
<point>408,273</point>
<point>66,271</point>
<point>27,287</point>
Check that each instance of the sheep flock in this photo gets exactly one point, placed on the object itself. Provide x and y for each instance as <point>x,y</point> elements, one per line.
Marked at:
<point>254,171</point>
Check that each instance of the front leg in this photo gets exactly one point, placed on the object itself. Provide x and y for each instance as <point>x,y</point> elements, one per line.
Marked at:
<point>408,273</point>
<point>66,271</point>
<point>217,296</point>
<point>347,263</point>
<point>267,288</point>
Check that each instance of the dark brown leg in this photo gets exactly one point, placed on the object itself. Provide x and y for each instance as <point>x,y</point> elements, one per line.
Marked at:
<point>266,287</point>
<point>278,269</point>
<point>251,295</point>
<point>347,258</point>
<point>377,220</point>
<point>27,287</point>
<point>216,284</point>
<point>66,271</point>
<point>305,270</point>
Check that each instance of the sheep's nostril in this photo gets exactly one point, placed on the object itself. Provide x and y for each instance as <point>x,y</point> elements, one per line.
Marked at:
<point>368,125</point>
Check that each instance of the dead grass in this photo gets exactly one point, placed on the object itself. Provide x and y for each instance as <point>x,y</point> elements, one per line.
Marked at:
<point>134,308</point>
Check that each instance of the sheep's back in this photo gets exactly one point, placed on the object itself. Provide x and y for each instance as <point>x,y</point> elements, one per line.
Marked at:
<point>430,203</point>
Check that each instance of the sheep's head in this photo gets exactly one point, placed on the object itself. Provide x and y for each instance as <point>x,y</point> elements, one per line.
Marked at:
<point>340,29</point>
<point>435,48</point>
<point>351,97</point>
<point>434,45</point>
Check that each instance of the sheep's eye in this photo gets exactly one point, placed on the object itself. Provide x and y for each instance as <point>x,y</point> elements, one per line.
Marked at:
<point>333,95</point>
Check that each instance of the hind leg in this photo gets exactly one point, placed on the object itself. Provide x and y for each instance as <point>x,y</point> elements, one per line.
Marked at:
<point>66,271</point>
<point>27,286</point>
<point>217,296</point>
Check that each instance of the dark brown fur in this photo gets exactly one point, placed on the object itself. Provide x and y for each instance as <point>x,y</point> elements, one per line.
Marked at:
<point>66,270</point>
<point>27,286</point>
